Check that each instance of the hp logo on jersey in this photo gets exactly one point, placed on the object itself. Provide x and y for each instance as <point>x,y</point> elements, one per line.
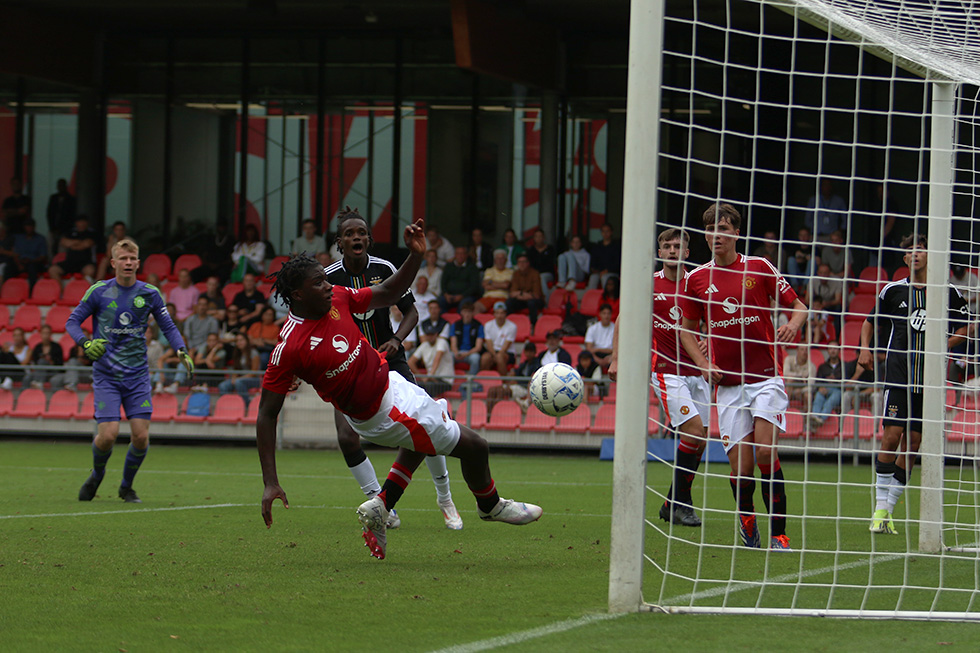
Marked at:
<point>917,319</point>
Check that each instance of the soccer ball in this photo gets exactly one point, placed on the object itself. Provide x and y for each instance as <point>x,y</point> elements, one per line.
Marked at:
<point>556,389</point>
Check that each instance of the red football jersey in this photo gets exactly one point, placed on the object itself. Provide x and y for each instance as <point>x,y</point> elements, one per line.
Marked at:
<point>669,355</point>
<point>331,355</point>
<point>736,303</point>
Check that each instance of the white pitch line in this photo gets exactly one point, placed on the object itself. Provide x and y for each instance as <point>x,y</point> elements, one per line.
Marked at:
<point>525,635</point>
<point>128,512</point>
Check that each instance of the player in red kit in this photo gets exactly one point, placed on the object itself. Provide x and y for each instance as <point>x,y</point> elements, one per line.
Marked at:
<point>684,392</point>
<point>319,343</point>
<point>733,294</point>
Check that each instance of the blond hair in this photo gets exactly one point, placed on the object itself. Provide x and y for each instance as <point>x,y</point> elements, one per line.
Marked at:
<point>126,244</point>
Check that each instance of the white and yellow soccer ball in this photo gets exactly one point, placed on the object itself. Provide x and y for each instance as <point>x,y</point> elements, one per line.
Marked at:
<point>556,389</point>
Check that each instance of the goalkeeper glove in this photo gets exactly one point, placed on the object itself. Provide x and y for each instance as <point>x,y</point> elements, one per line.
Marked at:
<point>186,361</point>
<point>94,349</point>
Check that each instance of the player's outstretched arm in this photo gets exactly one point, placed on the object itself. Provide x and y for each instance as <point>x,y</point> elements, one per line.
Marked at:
<point>270,405</point>
<point>391,289</point>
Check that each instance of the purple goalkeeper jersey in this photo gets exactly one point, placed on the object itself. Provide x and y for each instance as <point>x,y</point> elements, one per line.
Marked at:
<point>120,316</point>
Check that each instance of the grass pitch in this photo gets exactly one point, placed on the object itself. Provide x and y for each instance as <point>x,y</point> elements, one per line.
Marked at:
<point>194,568</point>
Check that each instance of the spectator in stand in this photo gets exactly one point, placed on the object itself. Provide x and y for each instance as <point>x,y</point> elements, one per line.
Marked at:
<point>827,295</point>
<point>172,373</point>
<point>231,326</point>
<point>835,255</point>
<point>435,321</point>
<point>460,282</point>
<point>968,283</point>
<point>827,397</point>
<point>396,316</point>
<point>554,352</point>
<point>590,371</point>
<point>480,252</point>
<point>444,248</point>
<point>117,233</point>
<point>610,295</point>
<point>208,361</point>
<point>61,214</point>
<point>6,248</point>
<point>46,354</point>
<point>216,301</point>
<point>599,337</point>
<point>512,248</point>
<point>16,208</point>
<point>308,241</point>
<point>248,254</point>
<point>769,249</point>
<point>466,337</point>
<point>249,300</point>
<point>604,259</point>
<point>326,258</point>
<point>826,212</point>
<point>184,296</point>
<point>78,370</point>
<point>215,250</point>
<point>496,282</point>
<point>800,264</point>
<point>30,254</point>
<point>542,257</point>
<point>573,265</point>
<point>799,372</point>
<point>525,289</point>
<point>80,245</point>
<point>198,325</point>
<point>432,272</point>
<point>154,348</point>
<point>864,386</point>
<point>14,357</point>
<point>500,350</point>
<point>244,359</point>
<point>433,353</point>
<point>423,295</point>
<point>264,335</point>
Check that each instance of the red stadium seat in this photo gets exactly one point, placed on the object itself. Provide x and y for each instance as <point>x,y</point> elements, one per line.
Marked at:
<point>187,262</point>
<point>579,421</point>
<point>829,430</point>
<point>871,280</point>
<point>817,356</point>
<point>57,317</point>
<point>505,416</point>
<point>275,264</point>
<point>573,349</point>
<point>64,405</point>
<point>230,409</point>
<point>523,323</point>
<point>30,403</point>
<point>14,291</point>
<point>73,292</point>
<point>487,379</point>
<point>479,418</point>
<point>6,401</point>
<point>164,408</point>
<point>253,410</point>
<point>794,425</point>
<point>158,264</point>
<point>33,340</point>
<point>86,407</point>
<point>901,273</point>
<point>965,427</point>
<point>590,302</point>
<point>556,303</point>
<point>859,307</point>
<point>862,423</point>
<point>537,422</point>
<point>27,318</point>
<point>67,346</point>
<point>605,419</point>
<point>45,293</point>
<point>483,318</point>
<point>229,292</point>
<point>544,325</point>
<point>851,342</point>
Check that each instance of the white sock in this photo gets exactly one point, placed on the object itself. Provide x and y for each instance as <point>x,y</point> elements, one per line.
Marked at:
<point>366,478</point>
<point>440,477</point>
<point>882,488</point>
<point>894,494</point>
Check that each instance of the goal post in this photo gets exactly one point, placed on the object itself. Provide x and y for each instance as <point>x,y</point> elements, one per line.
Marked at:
<point>770,105</point>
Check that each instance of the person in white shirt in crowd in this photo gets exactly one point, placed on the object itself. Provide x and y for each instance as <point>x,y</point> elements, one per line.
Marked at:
<point>799,372</point>
<point>432,272</point>
<point>501,351</point>
<point>968,283</point>
<point>444,249</point>
<point>432,352</point>
<point>599,337</point>
<point>396,317</point>
<point>308,241</point>
<point>423,295</point>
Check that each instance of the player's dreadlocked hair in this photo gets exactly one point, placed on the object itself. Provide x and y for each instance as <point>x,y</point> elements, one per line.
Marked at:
<point>349,214</point>
<point>290,276</point>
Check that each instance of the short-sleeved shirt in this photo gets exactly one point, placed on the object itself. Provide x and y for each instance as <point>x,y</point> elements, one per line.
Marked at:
<point>332,355</point>
<point>374,324</point>
<point>600,335</point>
<point>669,355</point>
<point>498,335</point>
<point>78,258</point>
<point>248,303</point>
<point>427,353</point>
<point>735,302</point>
<point>900,317</point>
<point>498,276</point>
<point>466,334</point>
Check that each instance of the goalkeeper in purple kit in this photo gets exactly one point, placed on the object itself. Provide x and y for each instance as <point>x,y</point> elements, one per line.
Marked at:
<point>120,309</point>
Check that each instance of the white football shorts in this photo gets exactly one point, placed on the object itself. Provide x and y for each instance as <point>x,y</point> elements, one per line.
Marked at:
<point>410,418</point>
<point>739,405</point>
<point>683,397</point>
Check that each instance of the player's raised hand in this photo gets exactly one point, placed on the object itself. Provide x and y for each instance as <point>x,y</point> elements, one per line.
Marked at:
<point>272,492</point>
<point>415,236</point>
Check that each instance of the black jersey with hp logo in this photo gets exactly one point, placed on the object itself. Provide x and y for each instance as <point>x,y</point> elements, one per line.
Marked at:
<point>376,324</point>
<point>900,320</point>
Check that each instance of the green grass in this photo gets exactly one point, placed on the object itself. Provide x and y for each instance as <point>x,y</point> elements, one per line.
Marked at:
<point>207,575</point>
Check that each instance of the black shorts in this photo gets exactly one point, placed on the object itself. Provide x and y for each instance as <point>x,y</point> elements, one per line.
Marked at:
<point>903,408</point>
<point>400,365</point>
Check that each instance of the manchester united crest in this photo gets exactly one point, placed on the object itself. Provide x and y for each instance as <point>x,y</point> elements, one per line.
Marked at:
<point>685,410</point>
<point>334,314</point>
<point>749,282</point>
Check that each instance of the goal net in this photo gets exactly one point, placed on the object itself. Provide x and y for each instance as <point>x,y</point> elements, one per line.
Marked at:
<point>838,129</point>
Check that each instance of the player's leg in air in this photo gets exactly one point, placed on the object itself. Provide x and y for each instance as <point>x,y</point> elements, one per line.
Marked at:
<point>686,402</point>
